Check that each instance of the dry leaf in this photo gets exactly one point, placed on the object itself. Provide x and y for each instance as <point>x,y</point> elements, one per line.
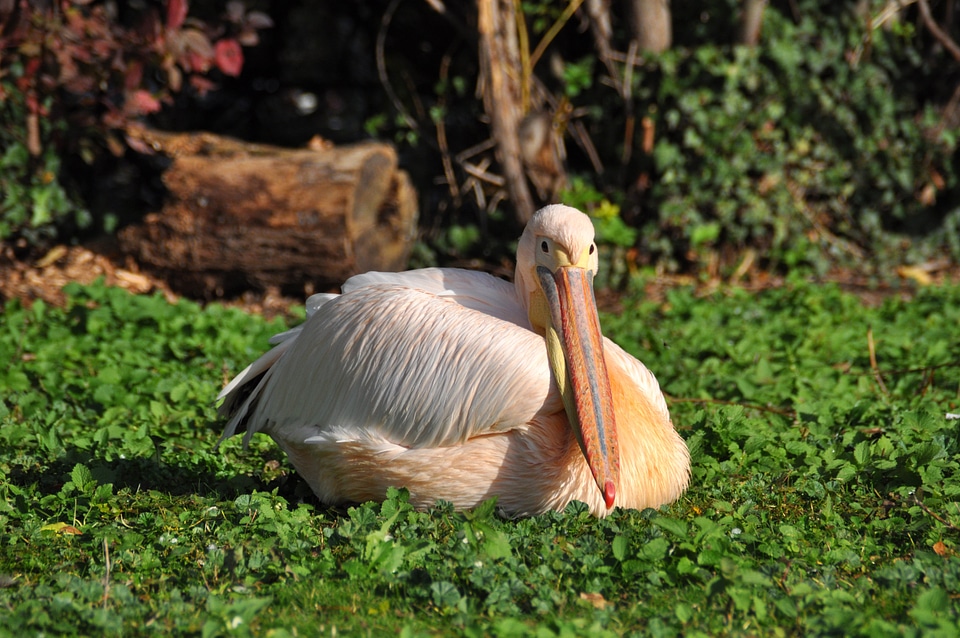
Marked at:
<point>52,257</point>
<point>597,600</point>
<point>61,528</point>
<point>916,273</point>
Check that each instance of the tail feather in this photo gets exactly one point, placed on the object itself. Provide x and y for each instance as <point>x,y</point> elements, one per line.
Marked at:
<point>244,390</point>
<point>242,393</point>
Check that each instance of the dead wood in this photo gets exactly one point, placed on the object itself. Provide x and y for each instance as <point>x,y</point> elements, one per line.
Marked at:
<point>241,215</point>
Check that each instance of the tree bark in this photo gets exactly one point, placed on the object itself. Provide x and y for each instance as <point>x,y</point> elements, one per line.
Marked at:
<point>244,214</point>
<point>751,21</point>
<point>500,64</point>
<point>651,25</point>
<point>602,28</point>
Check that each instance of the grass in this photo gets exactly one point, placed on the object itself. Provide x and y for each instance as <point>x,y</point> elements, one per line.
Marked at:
<point>825,497</point>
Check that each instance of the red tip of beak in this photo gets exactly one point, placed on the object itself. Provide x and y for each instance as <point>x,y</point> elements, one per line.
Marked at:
<point>609,493</point>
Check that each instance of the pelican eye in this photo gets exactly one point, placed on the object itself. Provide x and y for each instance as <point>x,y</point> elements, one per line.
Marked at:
<point>593,248</point>
<point>544,247</point>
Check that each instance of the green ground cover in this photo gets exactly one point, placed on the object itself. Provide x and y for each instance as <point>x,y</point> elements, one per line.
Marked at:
<point>825,497</point>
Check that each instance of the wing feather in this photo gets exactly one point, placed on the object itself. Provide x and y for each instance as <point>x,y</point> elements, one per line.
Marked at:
<point>419,368</point>
<point>469,288</point>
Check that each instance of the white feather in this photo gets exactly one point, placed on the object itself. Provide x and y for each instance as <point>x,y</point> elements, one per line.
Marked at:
<point>395,355</point>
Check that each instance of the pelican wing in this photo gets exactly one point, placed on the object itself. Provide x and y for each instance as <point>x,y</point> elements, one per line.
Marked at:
<point>420,359</point>
<point>469,288</point>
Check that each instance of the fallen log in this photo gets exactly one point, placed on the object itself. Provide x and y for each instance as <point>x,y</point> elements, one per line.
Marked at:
<point>242,215</point>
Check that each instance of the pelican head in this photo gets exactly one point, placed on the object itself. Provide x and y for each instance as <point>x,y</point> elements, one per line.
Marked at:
<point>556,263</point>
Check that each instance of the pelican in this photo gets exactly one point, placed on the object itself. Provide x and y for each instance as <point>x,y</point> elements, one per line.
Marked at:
<point>461,386</point>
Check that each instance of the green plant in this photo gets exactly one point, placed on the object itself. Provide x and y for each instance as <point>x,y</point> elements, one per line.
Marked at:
<point>71,79</point>
<point>618,259</point>
<point>794,148</point>
<point>825,496</point>
<point>33,200</point>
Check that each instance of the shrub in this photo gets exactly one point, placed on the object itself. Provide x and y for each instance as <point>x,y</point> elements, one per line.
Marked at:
<point>803,148</point>
<point>72,76</point>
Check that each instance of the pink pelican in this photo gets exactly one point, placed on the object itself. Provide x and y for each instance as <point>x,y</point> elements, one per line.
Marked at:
<point>460,386</point>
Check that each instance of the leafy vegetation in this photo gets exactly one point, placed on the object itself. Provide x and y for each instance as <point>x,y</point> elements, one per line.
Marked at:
<point>825,497</point>
<point>74,74</point>
<point>832,142</point>
<point>801,147</point>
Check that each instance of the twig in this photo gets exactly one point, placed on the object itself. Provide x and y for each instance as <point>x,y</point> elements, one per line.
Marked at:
<point>576,129</point>
<point>579,132</point>
<point>479,171</point>
<point>925,369</point>
<point>523,41</point>
<point>745,264</point>
<point>627,94</point>
<point>476,149</point>
<point>382,65</point>
<point>600,26</point>
<point>499,55</point>
<point>442,135</point>
<point>498,196</point>
<point>888,13</point>
<point>749,406</point>
<point>873,363</point>
<point>106,576</point>
<point>474,184</point>
<point>922,505</point>
<point>553,31</point>
<point>937,32</point>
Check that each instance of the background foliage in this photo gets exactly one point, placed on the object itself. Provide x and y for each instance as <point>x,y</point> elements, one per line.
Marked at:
<point>832,142</point>
<point>74,74</point>
<point>805,148</point>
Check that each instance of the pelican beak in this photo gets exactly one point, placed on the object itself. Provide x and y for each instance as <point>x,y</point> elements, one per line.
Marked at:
<point>575,351</point>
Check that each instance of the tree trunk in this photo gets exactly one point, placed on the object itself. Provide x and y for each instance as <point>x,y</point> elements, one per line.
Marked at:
<point>245,214</point>
<point>651,25</point>
<point>751,21</point>
<point>602,28</point>
<point>500,64</point>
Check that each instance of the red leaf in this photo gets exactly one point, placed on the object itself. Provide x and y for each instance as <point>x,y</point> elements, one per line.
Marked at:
<point>139,145</point>
<point>176,13</point>
<point>140,102</point>
<point>31,68</point>
<point>133,76</point>
<point>202,84</point>
<point>197,62</point>
<point>228,56</point>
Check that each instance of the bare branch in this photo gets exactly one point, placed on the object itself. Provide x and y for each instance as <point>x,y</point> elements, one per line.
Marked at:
<point>942,36</point>
<point>602,29</point>
<point>498,56</point>
<point>438,6</point>
<point>553,31</point>
<point>382,66</point>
